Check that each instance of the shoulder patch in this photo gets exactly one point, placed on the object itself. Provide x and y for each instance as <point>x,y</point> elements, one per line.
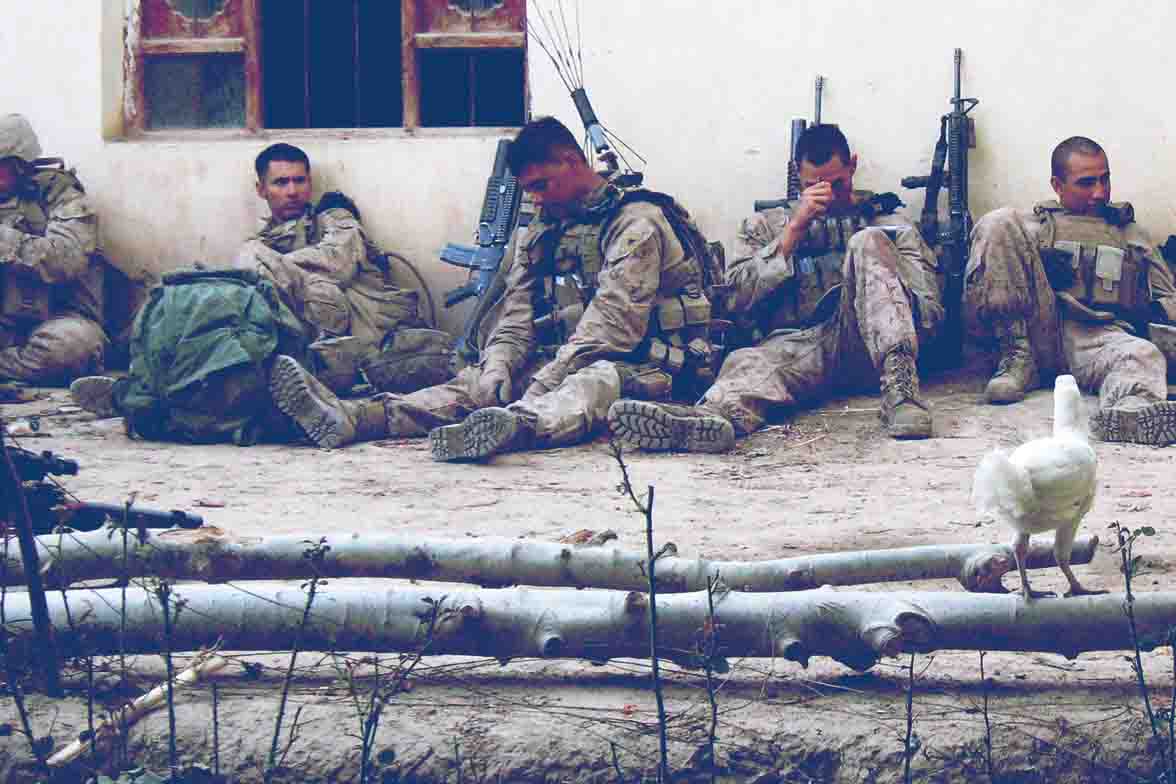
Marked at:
<point>336,200</point>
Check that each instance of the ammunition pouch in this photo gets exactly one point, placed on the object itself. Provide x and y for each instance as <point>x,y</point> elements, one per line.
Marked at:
<point>1088,259</point>
<point>681,343</point>
<point>24,299</point>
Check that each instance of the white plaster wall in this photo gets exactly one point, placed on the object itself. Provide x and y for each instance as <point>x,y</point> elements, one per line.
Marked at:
<point>704,89</point>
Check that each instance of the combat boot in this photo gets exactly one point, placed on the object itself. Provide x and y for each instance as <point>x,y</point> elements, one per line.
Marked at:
<point>1136,420</point>
<point>1016,373</point>
<point>904,413</point>
<point>94,394</point>
<point>486,432</point>
<point>665,427</point>
<point>325,419</point>
<point>336,361</point>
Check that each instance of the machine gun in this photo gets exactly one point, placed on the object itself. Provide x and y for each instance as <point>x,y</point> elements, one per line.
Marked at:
<point>799,126</point>
<point>957,133</point>
<point>500,212</point>
<point>49,505</point>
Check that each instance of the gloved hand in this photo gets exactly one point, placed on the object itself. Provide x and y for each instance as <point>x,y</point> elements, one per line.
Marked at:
<point>494,386</point>
<point>10,241</point>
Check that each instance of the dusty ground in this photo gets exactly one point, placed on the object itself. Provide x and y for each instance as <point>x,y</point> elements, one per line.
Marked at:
<point>829,480</point>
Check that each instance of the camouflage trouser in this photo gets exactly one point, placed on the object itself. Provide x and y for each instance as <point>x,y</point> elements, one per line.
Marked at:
<point>315,298</point>
<point>845,352</point>
<point>54,352</point>
<point>566,415</point>
<point>1006,281</point>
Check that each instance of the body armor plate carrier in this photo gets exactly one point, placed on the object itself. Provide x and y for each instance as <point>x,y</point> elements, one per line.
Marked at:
<point>1089,258</point>
<point>681,334</point>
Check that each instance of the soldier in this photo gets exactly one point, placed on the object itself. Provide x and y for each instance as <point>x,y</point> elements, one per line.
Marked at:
<point>844,292</point>
<point>626,263</point>
<point>1062,289</point>
<point>51,271</point>
<point>326,270</point>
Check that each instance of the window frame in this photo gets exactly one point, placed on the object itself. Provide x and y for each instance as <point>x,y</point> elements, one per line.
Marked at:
<point>414,13</point>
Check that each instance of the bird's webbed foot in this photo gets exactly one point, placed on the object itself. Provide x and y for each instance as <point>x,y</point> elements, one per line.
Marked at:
<point>1078,590</point>
<point>1028,594</point>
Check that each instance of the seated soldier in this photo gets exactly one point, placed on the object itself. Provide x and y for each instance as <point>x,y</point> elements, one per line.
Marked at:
<point>325,269</point>
<point>1062,289</point>
<point>845,293</point>
<point>626,262</point>
<point>51,272</point>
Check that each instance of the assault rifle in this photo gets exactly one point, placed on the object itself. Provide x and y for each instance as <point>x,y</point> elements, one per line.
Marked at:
<point>799,126</point>
<point>957,132</point>
<point>49,505</point>
<point>500,211</point>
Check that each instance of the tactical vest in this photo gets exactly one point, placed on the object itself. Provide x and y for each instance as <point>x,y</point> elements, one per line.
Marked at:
<point>27,300</point>
<point>819,267</point>
<point>1106,274</point>
<point>679,331</point>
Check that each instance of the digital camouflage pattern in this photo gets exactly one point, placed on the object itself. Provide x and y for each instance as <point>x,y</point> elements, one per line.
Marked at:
<point>1007,282</point>
<point>563,391</point>
<point>49,256</point>
<point>330,274</point>
<point>890,300</point>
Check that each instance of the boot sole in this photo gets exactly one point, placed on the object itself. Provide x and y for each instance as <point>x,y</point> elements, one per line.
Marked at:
<point>292,394</point>
<point>94,394</point>
<point>482,434</point>
<point>648,426</point>
<point>1154,425</point>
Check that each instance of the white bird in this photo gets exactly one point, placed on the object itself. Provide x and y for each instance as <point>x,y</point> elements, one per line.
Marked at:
<point>1045,484</point>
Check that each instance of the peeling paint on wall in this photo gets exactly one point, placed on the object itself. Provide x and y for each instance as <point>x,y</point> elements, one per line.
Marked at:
<point>130,53</point>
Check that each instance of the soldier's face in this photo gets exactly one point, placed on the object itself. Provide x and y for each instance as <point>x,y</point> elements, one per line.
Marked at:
<point>1087,185</point>
<point>556,186</point>
<point>9,177</point>
<point>286,189</point>
<point>836,172</point>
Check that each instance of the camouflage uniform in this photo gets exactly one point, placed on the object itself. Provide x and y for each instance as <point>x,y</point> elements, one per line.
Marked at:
<point>328,272</point>
<point>51,270</point>
<point>888,304</point>
<point>567,386</point>
<point>1009,298</point>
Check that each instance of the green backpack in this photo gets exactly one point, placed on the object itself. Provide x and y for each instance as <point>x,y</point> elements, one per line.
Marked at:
<point>201,349</point>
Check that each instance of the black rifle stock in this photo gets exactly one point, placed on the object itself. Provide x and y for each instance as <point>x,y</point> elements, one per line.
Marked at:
<point>50,506</point>
<point>500,209</point>
<point>956,135</point>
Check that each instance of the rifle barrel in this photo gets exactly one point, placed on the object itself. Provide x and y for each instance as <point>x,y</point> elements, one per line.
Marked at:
<point>820,86</point>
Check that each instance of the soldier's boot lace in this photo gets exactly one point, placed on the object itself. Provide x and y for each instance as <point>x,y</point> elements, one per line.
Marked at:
<point>903,412</point>
<point>325,419</point>
<point>336,361</point>
<point>665,427</point>
<point>94,394</point>
<point>485,432</point>
<point>1136,420</point>
<point>1016,373</point>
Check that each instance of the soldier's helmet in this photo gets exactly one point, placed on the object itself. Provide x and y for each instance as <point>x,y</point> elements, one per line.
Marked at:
<point>17,139</point>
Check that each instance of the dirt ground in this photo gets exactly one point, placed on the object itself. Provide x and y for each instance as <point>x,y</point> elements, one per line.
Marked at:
<point>827,480</point>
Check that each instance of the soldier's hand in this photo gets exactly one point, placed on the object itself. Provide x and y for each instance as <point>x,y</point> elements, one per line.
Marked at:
<point>494,386</point>
<point>814,203</point>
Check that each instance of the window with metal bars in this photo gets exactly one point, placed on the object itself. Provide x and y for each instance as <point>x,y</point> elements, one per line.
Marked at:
<point>256,64</point>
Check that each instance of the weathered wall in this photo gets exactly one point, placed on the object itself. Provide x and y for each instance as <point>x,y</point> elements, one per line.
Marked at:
<point>704,89</point>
